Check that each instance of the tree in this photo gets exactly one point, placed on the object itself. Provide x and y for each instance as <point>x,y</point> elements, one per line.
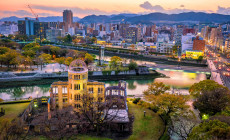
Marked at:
<point>44,58</point>
<point>200,59</point>
<point>170,105</point>
<point>68,38</point>
<point>115,60</point>
<point>29,53</point>
<point>99,113</point>
<point>211,129</point>
<point>55,51</point>
<point>30,46</point>
<point>205,85</point>
<point>93,40</point>
<point>132,65</point>
<point>214,101</point>
<point>21,37</point>
<point>3,50</point>
<point>88,58</point>
<point>9,58</point>
<point>68,61</point>
<point>156,88</point>
<point>60,60</point>
<point>183,124</point>
<point>174,50</point>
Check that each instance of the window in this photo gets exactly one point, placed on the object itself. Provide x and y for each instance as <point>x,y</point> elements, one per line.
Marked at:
<point>84,76</point>
<point>76,86</point>
<point>55,90</point>
<point>65,100</point>
<point>77,97</point>
<point>77,77</point>
<point>64,90</point>
<point>77,106</point>
<point>100,90</point>
<point>90,90</point>
<point>70,76</point>
<point>84,86</point>
<point>70,86</point>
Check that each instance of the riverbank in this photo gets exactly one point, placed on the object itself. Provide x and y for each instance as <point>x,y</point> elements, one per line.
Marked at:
<point>158,60</point>
<point>30,81</point>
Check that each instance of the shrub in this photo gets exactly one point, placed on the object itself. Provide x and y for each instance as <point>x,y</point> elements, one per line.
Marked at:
<point>1,100</point>
<point>136,100</point>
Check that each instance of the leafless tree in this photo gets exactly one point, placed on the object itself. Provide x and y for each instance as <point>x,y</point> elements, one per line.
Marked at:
<point>183,124</point>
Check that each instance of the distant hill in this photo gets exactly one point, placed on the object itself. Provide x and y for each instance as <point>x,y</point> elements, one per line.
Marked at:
<point>153,17</point>
<point>135,18</point>
<point>42,19</point>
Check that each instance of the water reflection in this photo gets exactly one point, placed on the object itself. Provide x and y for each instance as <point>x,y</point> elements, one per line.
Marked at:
<point>177,80</point>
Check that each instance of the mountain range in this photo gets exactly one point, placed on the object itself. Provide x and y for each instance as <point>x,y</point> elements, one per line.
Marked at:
<point>137,18</point>
<point>42,19</point>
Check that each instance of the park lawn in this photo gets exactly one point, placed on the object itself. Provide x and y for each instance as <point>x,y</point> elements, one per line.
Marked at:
<point>12,111</point>
<point>149,127</point>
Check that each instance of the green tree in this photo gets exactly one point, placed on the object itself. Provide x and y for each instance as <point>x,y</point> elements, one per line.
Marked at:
<point>55,50</point>
<point>93,40</point>
<point>156,88</point>
<point>174,50</point>
<point>68,61</point>
<point>68,38</point>
<point>30,46</point>
<point>88,58</point>
<point>212,129</point>
<point>206,85</point>
<point>115,61</point>
<point>170,105</point>
<point>132,65</point>
<point>200,59</point>
<point>29,53</point>
<point>44,58</point>
<point>60,60</point>
<point>3,50</point>
<point>212,102</point>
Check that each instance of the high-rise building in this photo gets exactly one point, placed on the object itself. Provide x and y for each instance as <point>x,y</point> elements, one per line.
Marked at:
<point>67,19</point>
<point>53,34</point>
<point>133,34</point>
<point>178,38</point>
<point>26,27</point>
<point>198,44</point>
<point>40,29</point>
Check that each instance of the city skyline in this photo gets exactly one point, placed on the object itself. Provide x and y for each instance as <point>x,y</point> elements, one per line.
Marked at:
<point>102,7</point>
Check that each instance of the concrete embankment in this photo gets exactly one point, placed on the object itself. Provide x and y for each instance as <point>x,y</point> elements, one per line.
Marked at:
<point>48,78</point>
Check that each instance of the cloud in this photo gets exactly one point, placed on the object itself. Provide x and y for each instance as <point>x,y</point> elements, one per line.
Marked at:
<point>223,10</point>
<point>148,6</point>
<point>157,8</point>
<point>75,10</point>
<point>22,13</point>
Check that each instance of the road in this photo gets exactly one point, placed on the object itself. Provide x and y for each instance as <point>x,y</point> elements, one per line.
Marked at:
<point>219,67</point>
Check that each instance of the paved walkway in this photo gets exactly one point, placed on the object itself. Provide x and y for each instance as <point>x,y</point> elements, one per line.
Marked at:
<point>215,75</point>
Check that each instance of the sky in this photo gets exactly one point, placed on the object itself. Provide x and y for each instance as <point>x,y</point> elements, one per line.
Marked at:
<point>83,8</point>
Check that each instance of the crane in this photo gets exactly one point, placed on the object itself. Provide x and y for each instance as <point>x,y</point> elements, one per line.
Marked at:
<point>36,16</point>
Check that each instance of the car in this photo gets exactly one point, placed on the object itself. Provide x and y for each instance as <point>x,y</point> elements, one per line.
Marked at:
<point>226,73</point>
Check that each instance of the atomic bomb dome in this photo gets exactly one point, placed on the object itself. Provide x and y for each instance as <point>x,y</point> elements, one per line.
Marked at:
<point>78,66</point>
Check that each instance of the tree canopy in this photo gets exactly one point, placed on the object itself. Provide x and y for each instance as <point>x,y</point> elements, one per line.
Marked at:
<point>213,101</point>
<point>206,85</point>
<point>211,129</point>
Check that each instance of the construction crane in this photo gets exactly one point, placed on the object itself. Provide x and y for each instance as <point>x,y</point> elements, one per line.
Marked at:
<point>36,16</point>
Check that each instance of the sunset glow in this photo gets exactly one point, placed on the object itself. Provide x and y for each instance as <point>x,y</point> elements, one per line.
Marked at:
<point>100,7</point>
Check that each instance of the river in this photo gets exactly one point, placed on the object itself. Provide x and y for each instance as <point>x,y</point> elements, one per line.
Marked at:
<point>179,81</point>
